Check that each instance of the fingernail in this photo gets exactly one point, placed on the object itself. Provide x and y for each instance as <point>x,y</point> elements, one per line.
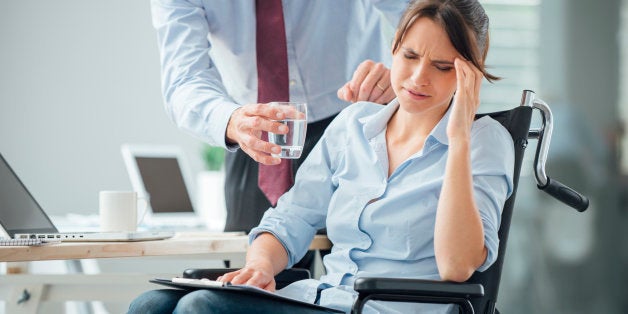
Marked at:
<point>283,128</point>
<point>275,150</point>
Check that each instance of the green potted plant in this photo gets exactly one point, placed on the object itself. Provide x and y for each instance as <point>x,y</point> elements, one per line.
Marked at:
<point>210,184</point>
<point>214,157</point>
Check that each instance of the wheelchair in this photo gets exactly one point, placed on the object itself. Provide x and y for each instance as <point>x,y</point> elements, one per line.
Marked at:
<point>479,293</point>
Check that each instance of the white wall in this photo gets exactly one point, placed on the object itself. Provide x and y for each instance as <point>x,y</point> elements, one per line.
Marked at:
<point>77,79</point>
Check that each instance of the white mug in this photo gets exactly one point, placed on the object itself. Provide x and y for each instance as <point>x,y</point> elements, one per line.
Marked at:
<point>118,211</point>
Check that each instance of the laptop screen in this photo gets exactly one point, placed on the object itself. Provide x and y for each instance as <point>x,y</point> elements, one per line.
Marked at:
<point>164,184</point>
<point>19,212</point>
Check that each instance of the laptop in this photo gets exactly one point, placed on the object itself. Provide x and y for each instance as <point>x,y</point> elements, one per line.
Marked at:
<point>21,217</point>
<point>160,174</point>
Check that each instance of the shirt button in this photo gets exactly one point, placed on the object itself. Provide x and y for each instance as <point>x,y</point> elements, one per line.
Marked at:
<point>292,82</point>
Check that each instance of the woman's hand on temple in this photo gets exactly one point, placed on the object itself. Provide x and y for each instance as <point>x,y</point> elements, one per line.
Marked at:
<point>466,100</point>
<point>370,82</point>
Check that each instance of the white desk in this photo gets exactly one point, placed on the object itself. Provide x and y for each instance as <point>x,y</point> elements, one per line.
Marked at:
<point>105,287</point>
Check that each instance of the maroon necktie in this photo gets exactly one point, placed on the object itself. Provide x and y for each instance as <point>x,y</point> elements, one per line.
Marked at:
<point>272,80</point>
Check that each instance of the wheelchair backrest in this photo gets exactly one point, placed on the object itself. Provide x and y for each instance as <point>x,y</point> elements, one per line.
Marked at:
<point>517,122</point>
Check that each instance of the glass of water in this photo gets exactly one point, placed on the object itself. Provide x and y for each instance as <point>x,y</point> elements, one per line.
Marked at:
<point>296,119</point>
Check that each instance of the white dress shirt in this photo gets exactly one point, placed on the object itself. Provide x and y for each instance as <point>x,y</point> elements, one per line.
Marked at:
<point>208,57</point>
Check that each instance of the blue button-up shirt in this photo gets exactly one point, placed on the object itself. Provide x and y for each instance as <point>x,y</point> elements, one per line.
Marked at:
<point>380,225</point>
<point>208,57</point>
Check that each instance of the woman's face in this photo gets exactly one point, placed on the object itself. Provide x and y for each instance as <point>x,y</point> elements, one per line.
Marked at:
<point>422,73</point>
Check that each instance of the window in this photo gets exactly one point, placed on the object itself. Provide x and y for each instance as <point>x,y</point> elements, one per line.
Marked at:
<point>513,54</point>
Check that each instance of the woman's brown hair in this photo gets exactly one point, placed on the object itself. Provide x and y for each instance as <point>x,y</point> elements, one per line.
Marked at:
<point>465,22</point>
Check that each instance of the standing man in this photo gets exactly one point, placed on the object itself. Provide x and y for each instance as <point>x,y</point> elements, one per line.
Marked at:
<point>222,61</point>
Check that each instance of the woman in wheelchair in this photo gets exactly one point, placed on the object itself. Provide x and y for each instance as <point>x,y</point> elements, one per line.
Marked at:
<point>413,189</point>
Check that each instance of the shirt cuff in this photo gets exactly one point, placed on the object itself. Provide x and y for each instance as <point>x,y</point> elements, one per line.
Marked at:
<point>256,232</point>
<point>217,126</point>
<point>295,236</point>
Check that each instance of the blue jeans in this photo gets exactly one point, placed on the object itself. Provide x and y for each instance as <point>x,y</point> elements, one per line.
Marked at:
<point>212,301</point>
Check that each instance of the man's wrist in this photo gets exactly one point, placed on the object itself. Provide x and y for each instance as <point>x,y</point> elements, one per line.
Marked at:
<point>230,137</point>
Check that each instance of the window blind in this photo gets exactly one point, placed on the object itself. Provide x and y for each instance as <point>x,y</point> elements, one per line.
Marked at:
<point>513,53</point>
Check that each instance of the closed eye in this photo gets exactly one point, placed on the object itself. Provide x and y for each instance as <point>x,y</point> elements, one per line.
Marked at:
<point>443,68</point>
<point>410,56</point>
<point>443,65</point>
<point>409,53</point>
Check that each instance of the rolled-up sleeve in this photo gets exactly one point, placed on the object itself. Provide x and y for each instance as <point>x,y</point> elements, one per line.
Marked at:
<point>493,164</point>
<point>303,209</point>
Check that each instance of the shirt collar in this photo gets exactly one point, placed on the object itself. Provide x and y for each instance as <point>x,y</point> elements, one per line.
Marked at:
<point>377,123</point>
<point>439,132</point>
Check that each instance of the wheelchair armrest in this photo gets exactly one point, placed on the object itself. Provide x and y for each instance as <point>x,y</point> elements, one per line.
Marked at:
<point>404,286</point>
<point>282,279</point>
<point>415,290</point>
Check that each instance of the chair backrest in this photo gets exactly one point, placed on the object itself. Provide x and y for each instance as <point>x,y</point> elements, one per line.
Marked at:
<point>517,122</point>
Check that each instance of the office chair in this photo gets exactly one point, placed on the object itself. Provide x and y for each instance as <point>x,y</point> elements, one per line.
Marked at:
<point>479,293</point>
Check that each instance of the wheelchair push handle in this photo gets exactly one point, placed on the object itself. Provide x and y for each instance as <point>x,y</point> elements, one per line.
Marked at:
<point>565,194</point>
<point>554,188</point>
